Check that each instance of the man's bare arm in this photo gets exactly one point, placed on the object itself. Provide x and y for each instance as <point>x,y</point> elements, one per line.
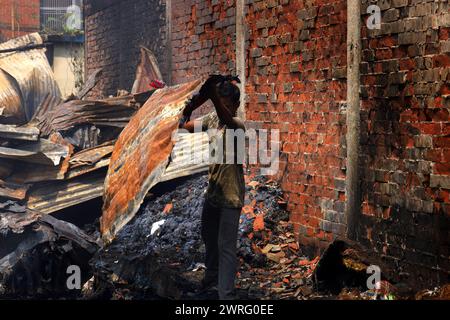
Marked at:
<point>191,125</point>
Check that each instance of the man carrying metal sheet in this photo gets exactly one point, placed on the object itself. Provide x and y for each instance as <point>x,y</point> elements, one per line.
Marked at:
<point>225,194</point>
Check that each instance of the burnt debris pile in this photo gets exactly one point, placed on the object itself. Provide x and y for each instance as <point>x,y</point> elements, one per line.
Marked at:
<point>161,251</point>
<point>54,155</point>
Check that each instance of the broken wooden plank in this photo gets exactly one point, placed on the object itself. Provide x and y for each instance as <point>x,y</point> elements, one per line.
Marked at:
<point>19,133</point>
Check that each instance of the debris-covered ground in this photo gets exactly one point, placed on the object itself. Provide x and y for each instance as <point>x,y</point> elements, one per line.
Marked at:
<point>164,241</point>
<point>159,254</point>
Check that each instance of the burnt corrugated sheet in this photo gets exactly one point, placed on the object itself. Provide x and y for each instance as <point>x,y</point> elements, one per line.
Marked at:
<point>146,72</point>
<point>26,79</point>
<point>111,112</point>
<point>54,196</point>
<point>141,155</point>
<point>189,156</point>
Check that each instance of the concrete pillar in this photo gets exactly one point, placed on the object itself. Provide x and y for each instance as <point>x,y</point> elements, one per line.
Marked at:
<point>353,115</point>
<point>169,40</point>
<point>240,52</point>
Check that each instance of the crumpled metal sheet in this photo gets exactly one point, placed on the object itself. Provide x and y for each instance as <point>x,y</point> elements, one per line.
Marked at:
<point>91,156</point>
<point>26,79</point>
<point>13,191</point>
<point>189,156</point>
<point>146,71</point>
<point>27,133</point>
<point>110,112</point>
<point>141,155</point>
<point>43,152</point>
<point>57,195</point>
<point>37,172</point>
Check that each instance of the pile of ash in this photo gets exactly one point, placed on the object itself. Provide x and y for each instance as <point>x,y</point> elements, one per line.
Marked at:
<point>160,252</point>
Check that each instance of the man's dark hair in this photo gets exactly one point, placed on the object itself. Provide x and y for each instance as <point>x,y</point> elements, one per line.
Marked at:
<point>227,89</point>
<point>230,91</point>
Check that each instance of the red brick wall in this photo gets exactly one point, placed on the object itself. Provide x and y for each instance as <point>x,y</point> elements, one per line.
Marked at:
<point>296,54</point>
<point>18,17</point>
<point>296,82</point>
<point>295,50</point>
<point>203,39</point>
<point>115,31</point>
<point>290,87</point>
<point>405,138</point>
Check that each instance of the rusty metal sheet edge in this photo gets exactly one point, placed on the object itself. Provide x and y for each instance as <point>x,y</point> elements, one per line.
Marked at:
<point>141,155</point>
<point>50,197</point>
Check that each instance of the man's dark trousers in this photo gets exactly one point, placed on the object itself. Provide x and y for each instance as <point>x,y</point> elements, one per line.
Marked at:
<point>219,232</point>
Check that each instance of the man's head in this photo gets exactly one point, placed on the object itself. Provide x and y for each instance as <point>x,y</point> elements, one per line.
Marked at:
<point>229,94</point>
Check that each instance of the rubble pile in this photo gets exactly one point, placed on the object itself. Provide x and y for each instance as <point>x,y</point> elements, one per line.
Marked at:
<point>36,252</point>
<point>54,153</point>
<point>272,265</point>
<point>163,241</point>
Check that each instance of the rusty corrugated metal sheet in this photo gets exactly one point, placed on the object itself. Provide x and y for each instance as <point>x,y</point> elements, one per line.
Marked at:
<point>182,161</point>
<point>58,195</point>
<point>13,191</point>
<point>141,155</point>
<point>42,110</point>
<point>43,152</point>
<point>36,172</point>
<point>91,155</point>
<point>111,112</point>
<point>81,170</point>
<point>146,71</point>
<point>26,78</point>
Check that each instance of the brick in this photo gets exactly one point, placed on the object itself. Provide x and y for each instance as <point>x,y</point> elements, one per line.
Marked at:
<point>287,87</point>
<point>262,61</point>
<point>272,41</point>
<point>306,14</point>
<point>399,3</point>
<point>339,184</point>
<point>256,52</point>
<point>439,181</point>
<point>423,141</point>
<point>390,15</point>
<point>339,73</point>
<point>262,97</point>
<point>326,226</point>
<point>294,67</point>
<point>411,38</point>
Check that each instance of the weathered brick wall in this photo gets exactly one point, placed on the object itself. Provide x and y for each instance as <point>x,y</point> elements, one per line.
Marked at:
<point>297,56</point>
<point>25,14</point>
<point>405,145</point>
<point>203,40</point>
<point>296,82</point>
<point>114,34</point>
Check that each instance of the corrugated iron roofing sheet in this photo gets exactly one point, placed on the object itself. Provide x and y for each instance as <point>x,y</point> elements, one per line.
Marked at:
<point>141,155</point>
<point>26,78</point>
<point>146,71</point>
<point>189,156</point>
<point>54,196</point>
